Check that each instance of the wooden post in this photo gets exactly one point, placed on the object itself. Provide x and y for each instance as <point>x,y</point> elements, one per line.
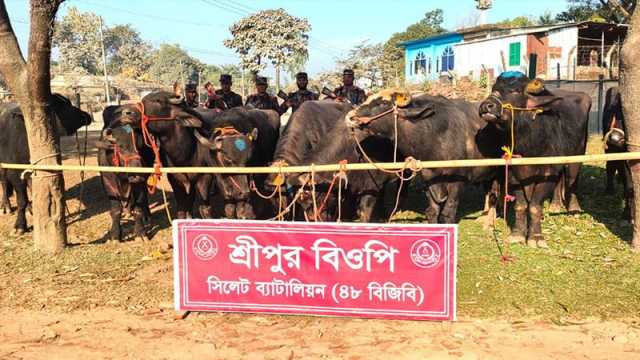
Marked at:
<point>600,99</point>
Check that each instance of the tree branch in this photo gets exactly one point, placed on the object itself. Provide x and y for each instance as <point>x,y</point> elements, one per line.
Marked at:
<point>43,13</point>
<point>12,63</point>
<point>616,5</point>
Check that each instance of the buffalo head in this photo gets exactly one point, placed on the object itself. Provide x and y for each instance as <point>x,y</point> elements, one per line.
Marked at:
<point>377,114</point>
<point>164,108</point>
<point>68,117</point>
<point>122,143</point>
<point>514,93</point>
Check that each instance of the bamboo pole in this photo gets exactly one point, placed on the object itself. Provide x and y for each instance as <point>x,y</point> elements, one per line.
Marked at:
<point>417,164</point>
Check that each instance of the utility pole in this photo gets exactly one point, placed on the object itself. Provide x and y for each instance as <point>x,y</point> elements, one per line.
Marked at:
<point>244,94</point>
<point>104,65</point>
<point>483,6</point>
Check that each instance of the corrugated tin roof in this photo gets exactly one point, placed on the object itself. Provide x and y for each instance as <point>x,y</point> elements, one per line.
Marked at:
<point>513,31</point>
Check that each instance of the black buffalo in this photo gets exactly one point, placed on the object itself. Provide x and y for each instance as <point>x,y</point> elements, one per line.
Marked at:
<point>123,146</point>
<point>365,188</point>
<point>14,147</point>
<point>613,127</point>
<point>543,124</point>
<point>242,137</point>
<point>182,138</point>
<point>306,130</point>
<point>432,128</point>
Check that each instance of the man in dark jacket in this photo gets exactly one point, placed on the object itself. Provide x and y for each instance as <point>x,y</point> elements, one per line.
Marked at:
<point>229,98</point>
<point>191,95</point>
<point>295,99</point>
<point>348,91</point>
<point>261,99</point>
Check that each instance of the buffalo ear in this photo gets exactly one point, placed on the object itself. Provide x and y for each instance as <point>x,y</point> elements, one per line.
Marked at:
<point>254,134</point>
<point>189,122</point>
<point>417,111</point>
<point>545,103</point>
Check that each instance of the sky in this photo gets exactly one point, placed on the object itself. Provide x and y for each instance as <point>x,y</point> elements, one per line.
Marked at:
<point>201,26</point>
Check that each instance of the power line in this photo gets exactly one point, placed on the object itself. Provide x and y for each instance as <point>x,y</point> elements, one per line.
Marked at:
<point>237,9</point>
<point>154,17</point>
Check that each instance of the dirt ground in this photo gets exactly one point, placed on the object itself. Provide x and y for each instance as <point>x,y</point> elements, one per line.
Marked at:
<point>106,333</point>
<point>114,301</point>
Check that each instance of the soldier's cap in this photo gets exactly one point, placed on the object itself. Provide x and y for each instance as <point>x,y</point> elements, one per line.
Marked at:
<point>261,80</point>
<point>190,87</point>
<point>347,72</point>
<point>225,78</point>
<point>302,75</point>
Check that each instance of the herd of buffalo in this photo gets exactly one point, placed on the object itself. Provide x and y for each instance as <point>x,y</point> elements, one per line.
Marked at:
<point>521,114</point>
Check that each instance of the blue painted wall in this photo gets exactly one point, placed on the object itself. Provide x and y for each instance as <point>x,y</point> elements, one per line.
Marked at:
<point>433,49</point>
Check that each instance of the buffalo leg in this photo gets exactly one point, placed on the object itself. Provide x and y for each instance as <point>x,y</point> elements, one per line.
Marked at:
<point>244,210</point>
<point>432,212</point>
<point>450,207</point>
<point>519,229</point>
<point>229,208</point>
<point>5,194</point>
<point>140,209</point>
<point>115,211</point>
<point>559,193</point>
<point>366,206</point>
<point>184,200</point>
<point>611,176</point>
<point>572,174</point>
<point>540,192</point>
<point>20,188</point>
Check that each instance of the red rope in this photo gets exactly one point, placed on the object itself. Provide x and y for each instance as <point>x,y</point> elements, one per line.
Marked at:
<point>508,155</point>
<point>150,141</point>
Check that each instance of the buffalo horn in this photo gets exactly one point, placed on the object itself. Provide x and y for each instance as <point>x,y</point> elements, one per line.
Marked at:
<point>177,100</point>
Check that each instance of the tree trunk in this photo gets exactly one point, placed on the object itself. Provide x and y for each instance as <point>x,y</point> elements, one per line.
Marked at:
<point>277,78</point>
<point>631,106</point>
<point>30,82</point>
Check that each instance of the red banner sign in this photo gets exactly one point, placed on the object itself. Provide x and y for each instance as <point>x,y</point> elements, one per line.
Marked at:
<point>361,270</point>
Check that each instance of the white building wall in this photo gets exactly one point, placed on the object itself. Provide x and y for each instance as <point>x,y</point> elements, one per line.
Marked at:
<point>567,40</point>
<point>470,57</point>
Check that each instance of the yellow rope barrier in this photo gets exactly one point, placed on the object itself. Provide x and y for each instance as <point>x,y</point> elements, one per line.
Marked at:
<point>335,167</point>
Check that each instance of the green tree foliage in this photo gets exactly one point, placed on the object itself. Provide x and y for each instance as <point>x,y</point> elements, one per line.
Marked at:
<point>365,60</point>
<point>127,53</point>
<point>517,22</point>
<point>392,59</point>
<point>615,11</point>
<point>77,39</point>
<point>269,35</point>
<point>171,63</point>
<point>547,19</point>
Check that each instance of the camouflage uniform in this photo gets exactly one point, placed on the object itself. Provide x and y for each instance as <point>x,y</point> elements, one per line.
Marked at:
<point>352,93</point>
<point>297,98</point>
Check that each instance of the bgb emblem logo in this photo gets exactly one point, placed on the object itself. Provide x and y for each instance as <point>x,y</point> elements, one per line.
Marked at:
<point>425,253</point>
<point>205,247</point>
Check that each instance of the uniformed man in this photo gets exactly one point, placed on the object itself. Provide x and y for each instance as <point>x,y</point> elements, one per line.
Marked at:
<point>295,99</point>
<point>191,95</point>
<point>261,99</point>
<point>348,91</point>
<point>229,99</point>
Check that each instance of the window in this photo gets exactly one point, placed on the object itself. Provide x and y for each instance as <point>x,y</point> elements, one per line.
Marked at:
<point>447,59</point>
<point>514,54</point>
<point>420,64</point>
